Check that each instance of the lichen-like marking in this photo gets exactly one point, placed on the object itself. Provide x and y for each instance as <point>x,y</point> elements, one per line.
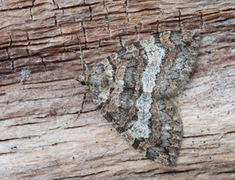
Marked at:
<point>108,68</point>
<point>155,55</point>
<point>104,94</point>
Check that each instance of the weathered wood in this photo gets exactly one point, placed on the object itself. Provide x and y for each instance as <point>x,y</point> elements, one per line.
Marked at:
<point>40,137</point>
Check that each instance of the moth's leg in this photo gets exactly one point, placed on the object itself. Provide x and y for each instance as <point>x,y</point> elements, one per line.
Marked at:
<point>84,66</point>
<point>83,101</point>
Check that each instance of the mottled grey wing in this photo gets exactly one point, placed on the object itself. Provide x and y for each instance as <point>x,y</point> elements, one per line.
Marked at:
<point>136,85</point>
<point>181,50</point>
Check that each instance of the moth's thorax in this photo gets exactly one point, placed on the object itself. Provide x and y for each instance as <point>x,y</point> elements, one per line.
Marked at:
<point>93,80</point>
<point>96,80</point>
<point>83,79</point>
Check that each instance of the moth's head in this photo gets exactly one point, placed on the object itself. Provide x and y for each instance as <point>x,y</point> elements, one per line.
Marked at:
<point>83,79</point>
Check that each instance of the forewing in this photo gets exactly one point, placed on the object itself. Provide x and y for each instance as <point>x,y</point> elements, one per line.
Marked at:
<point>181,49</point>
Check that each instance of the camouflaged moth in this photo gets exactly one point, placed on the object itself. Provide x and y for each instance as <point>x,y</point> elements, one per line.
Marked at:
<point>133,89</point>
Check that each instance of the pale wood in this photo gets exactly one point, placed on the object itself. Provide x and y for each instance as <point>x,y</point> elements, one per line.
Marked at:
<point>40,137</point>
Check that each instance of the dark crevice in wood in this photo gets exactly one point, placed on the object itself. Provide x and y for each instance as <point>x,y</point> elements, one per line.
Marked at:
<point>75,113</point>
<point>201,21</point>
<point>136,30</point>
<point>216,18</point>
<point>125,9</point>
<point>10,38</point>
<point>90,9</point>
<point>11,139</point>
<point>7,153</point>
<point>106,8</point>
<point>100,40</point>
<point>92,110</point>
<point>82,176</point>
<point>157,26</point>
<point>143,10</point>
<point>22,8</point>
<point>172,172</point>
<point>29,42</point>
<point>2,94</point>
<point>25,124</point>
<point>120,41</point>
<point>15,8</point>
<point>229,9</point>
<point>136,33</point>
<point>229,132</point>
<point>179,19</point>
<point>164,172</point>
<point>203,135</point>
<point>76,127</point>
<point>31,15</point>
<point>33,1</point>
<point>224,20</point>
<point>73,6</point>
<point>55,4</point>
<point>225,172</point>
<point>44,64</point>
<point>56,22</point>
<point>27,49</point>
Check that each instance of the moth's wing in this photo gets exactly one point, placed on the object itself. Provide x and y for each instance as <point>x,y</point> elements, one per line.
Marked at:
<point>117,99</point>
<point>181,50</point>
<point>139,82</point>
<point>168,58</point>
<point>165,133</point>
<point>151,125</point>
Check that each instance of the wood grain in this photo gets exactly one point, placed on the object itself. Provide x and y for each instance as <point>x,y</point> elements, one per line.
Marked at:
<point>40,137</point>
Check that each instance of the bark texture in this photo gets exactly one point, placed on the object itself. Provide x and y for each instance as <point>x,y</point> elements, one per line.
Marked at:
<point>40,137</point>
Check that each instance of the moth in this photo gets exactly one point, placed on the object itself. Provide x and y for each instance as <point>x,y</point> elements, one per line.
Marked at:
<point>133,89</point>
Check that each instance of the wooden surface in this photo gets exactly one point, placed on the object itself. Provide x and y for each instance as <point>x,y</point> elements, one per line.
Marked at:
<point>40,137</point>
